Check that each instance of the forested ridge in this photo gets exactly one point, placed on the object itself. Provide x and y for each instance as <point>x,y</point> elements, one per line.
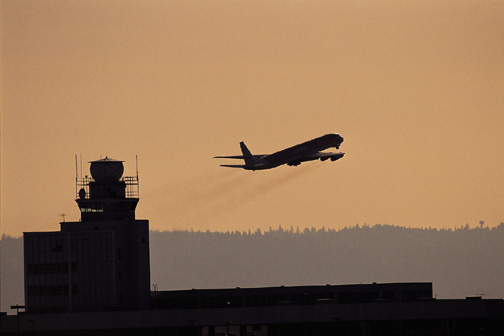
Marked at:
<point>459,262</point>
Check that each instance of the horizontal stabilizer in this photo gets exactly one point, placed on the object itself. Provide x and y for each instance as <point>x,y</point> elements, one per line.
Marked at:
<point>233,166</point>
<point>238,157</point>
<point>229,157</point>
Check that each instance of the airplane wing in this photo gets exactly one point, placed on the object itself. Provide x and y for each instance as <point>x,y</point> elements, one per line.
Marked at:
<point>315,156</point>
<point>327,155</point>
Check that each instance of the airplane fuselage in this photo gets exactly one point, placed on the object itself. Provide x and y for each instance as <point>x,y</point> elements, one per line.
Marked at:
<point>296,154</point>
<point>292,156</point>
<point>298,151</point>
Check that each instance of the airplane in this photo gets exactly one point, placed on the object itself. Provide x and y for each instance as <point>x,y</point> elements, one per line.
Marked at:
<point>292,156</point>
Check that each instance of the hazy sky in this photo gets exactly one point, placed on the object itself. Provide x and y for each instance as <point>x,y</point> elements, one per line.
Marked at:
<point>416,88</point>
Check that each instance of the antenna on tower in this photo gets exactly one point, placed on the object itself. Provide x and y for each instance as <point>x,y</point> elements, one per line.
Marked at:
<point>76,174</point>
<point>138,184</point>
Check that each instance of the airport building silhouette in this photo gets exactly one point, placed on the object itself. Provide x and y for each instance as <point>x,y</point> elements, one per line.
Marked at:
<point>93,278</point>
<point>98,263</point>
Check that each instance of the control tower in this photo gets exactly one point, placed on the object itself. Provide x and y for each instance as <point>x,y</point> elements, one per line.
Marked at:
<point>98,263</point>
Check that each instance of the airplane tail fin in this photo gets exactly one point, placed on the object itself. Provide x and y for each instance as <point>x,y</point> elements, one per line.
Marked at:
<point>247,156</point>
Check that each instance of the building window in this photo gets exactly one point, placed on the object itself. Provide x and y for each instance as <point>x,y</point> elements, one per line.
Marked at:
<point>57,248</point>
<point>50,268</point>
<point>47,290</point>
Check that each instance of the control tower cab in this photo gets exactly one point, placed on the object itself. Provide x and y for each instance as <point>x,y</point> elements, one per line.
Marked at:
<point>107,194</point>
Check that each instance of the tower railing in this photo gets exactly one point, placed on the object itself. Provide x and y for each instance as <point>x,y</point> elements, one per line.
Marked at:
<point>132,186</point>
<point>131,182</point>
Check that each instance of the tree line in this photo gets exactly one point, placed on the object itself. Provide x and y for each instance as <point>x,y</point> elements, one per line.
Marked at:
<point>460,262</point>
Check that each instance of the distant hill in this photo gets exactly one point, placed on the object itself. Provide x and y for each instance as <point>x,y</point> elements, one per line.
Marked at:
<point>460,262</point>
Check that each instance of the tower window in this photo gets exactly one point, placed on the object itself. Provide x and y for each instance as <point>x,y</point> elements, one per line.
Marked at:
<point>57,248</point>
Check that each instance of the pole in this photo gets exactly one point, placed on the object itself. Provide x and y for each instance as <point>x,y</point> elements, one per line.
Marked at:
<point>17,307</point>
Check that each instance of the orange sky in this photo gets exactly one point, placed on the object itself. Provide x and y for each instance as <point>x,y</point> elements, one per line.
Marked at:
<point>415,88</point>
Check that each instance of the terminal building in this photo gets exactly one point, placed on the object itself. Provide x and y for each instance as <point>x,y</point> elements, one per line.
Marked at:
<point>93,278</point>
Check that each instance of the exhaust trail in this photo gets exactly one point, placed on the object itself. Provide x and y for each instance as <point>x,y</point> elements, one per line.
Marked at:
<point>225,197</point>
<point>213,196</point>
<point>270,183</point>
<point>183,201</point>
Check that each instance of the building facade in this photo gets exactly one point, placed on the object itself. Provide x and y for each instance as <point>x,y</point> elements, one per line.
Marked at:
<point>361,309</point>
<point>99,263</point>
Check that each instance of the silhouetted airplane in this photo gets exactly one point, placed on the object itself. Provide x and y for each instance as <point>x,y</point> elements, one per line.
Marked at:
<point>293,156</point>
